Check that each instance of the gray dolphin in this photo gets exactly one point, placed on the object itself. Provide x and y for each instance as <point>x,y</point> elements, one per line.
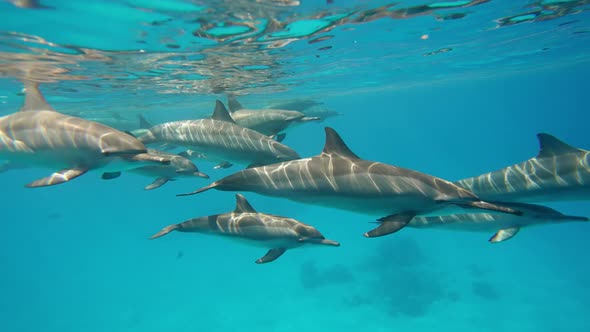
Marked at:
<point>504,226</point>
<point>179,167</point>
<point>559,172</point>
<point>221,139</point>
<point>339,178</point>
<point>296,105</point>
<point>266,121</point>
<point>267,230</point>
<point>37,135</point>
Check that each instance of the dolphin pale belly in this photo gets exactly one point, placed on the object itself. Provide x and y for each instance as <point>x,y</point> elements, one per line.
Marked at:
<point>559,172</point>
<point>339,178</point>
<point>37,135</point>
<point>504,226</point>
<point>266,121</point>
<point>178,167</point>
<point>274,232</point>
<point>221,139</point>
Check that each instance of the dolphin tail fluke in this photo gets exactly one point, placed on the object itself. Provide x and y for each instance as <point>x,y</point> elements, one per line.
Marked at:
<point>198,191</point>
<point>165,231</point>
<point>489,206</point>
<point>390,224</point>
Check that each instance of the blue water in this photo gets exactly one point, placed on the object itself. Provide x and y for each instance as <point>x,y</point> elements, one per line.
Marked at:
<point>76,257</point>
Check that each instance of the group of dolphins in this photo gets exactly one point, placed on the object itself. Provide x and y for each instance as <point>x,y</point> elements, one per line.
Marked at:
<point>498,201</point>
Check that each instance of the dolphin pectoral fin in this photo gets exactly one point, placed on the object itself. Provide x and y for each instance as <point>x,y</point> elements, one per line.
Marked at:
<point>271,255</point>
<point>58,177</point>
<point>211,186</point>
<point>504,234</point>
<point>278,137</point>
<point>223,164</point>
<point>488,206</point>
<point>390,224</point>
<point>157,183</point>
<point>165,231</point>
<point>110,175</point>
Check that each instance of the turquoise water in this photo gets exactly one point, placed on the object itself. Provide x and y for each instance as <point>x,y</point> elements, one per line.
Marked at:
<point>452,89</point>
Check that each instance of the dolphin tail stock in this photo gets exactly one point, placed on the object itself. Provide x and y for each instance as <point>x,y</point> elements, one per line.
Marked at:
<point>198,191</point>
<point>483,205</point>
<point>165,231</point>
<point>390,224</point>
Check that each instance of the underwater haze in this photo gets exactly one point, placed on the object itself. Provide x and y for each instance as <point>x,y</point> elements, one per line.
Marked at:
<point>451,89</point>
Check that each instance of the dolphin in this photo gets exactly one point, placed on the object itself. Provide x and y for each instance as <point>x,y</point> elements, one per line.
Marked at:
<point>267,230</point>
<point>504,226</point>
<point>559,172</point>
<point>296,105</point>
<point>221,139</point>
<point>266,121</point>
<point>339,178</point>
<point>179,166</point>
<point>38,135</point>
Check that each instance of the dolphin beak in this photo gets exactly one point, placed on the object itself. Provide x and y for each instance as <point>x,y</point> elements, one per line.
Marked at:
<point>329,242</point>
<point>201,175</point>
<point>575,218</point>
<point>150,158</point>
<point>310,118</point>
<point>320,241</point>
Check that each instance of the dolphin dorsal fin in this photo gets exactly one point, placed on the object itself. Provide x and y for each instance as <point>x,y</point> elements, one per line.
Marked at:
<point>233,103</point>
<point>34,100</point>
<point>220,113</point>
<point>550,146</point>
<point>242,205</point>
<point>143,123</point>
<point>335,145</point>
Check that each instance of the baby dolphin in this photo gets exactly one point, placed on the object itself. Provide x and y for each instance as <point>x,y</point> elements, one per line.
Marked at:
<point>505,226</point>
<point>339,178</point>
<point>266,121</point>
<point>559,172</point>
<point>37,135</point>
<point>221,139</point>
<point>179,167</point>
<point>266,230</point>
